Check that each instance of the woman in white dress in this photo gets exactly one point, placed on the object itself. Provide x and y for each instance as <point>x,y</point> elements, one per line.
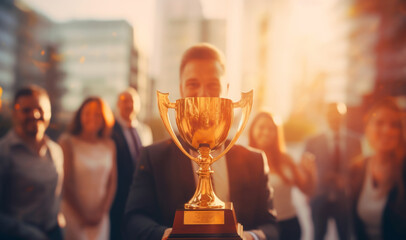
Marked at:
<point>285,174</point>
<point>90,172</point>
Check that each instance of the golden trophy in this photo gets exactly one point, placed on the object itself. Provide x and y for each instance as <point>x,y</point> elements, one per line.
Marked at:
<point>203,123</point>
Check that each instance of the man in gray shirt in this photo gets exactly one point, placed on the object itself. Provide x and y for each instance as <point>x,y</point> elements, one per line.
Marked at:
<point>31,171</point>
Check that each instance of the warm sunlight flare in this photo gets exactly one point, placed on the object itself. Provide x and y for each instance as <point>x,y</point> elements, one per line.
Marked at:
<point>315,85</point>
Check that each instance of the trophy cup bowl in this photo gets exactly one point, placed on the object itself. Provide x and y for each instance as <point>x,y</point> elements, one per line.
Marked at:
<point>204,121</point>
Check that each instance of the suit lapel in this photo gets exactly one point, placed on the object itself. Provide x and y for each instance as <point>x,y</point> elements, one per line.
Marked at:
<point>184,173</point>
<point>123,143</point>
<point>236,177</point>
<point>231,175</point>
<point>239,183</point>
<point>121,137</point>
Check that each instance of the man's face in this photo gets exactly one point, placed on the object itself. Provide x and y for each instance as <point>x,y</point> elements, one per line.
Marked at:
<point>32,115</point>
<point>126,106</point>
<point>201,78</point>
<point>334,118</point>
<point>384,130</point>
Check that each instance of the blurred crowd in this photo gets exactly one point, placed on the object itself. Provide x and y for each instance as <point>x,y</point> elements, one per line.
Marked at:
<point>104,179</point>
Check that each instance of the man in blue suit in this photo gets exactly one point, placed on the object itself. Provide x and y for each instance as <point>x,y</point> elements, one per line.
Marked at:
<point>129,136</point>
<point>333,150</point>
<point>165,181</point>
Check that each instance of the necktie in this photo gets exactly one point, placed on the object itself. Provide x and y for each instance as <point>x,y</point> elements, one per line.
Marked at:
<point>336,154</point>
<point>334,187</point>
<point>136,143</point>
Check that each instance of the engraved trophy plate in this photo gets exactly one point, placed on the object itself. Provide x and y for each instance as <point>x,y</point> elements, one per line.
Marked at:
<point>203,217</point>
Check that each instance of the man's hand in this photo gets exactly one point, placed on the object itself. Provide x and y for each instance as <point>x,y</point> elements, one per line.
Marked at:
<point>166,233</point>
<point>247,236</point>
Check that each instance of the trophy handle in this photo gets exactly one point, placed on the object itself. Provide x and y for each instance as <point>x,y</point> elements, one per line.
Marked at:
<point>163,105</point>
<point>245,104</point>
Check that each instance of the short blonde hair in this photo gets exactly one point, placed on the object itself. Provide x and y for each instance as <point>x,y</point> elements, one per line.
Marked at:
<point>202,51</point>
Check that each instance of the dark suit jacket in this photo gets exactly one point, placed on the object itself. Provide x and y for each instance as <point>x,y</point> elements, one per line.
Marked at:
<point>164,182</point>
<point>318,146</point>
<point>125,171</point>
<point>394,215</point>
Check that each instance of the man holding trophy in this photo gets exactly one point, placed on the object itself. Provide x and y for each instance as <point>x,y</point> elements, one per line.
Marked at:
<point>165,179</point>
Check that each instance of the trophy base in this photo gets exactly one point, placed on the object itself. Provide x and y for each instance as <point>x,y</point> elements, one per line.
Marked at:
<point>200,224</point>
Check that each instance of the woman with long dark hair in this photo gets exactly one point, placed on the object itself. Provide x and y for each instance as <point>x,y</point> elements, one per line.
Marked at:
<point>285,174</point>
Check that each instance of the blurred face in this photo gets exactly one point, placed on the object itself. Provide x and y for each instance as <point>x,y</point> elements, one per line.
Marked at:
<point>383,130</point>
<point>32,115</point>
<point>201,78</point>
<point>126,106</point>
<point>91,118</point>
<point>264,133</point>
<point>334,118</point>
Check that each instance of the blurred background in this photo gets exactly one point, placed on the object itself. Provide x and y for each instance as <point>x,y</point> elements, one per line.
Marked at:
<point>295,54</point>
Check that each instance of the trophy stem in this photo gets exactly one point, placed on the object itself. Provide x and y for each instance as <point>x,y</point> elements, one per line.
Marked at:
<point>204,197</point>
